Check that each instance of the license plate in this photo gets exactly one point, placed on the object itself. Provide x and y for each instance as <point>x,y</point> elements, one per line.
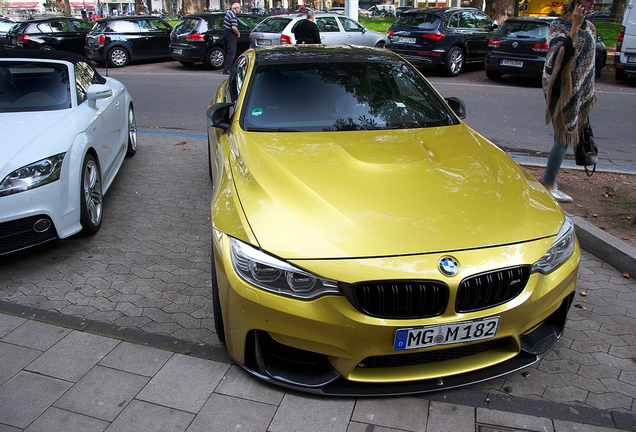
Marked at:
<point>444,334</point>
<point>515,63</point>
<point>177,51</point>
<point>406,40</point>
<point>631,59</point>
<point>266,42</point>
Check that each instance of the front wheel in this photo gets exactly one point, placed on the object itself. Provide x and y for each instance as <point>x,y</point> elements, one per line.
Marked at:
<point>118,57</point>
<point>216,304</point>
<point>215,58</point>
<point>454,61</point>
<point>91,205</point>
<point>132,133</point>
<point>380,44</point>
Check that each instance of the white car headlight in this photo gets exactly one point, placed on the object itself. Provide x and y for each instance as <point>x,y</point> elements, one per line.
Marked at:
<point>277,276</point>
<point>37,174</point>
<point>561,249</point>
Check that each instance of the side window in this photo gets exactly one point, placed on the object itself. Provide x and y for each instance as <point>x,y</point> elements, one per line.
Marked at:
<point>482,21</point>
<point>350,25</point>
<point>156,25</point>
<point>59,26</point>
<point>236,80</point>
<point>327,24</point>
<point>453,22</point>
<point>82,26</point>
<point>467,20</point>
<point>41,28</point>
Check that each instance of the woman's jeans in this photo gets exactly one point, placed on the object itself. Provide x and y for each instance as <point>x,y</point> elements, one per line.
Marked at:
<point>554,162</point>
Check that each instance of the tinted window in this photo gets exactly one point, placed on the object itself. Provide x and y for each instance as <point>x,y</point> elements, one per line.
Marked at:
<point>482,21</point>
<point>124,26</point>
<point>341,96</point>
<point>186,26</point>
<point>273,25</point>
<point>524,29</point>
<point>466,20</point>
<point>350,25</point>
<point>84,76</point>
<point>418,21</point>
<point>248,22</point>
<point>82,25</point>
<point>327,24</point>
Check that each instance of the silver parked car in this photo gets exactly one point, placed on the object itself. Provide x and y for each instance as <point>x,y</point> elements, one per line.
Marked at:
<point>334,29</point>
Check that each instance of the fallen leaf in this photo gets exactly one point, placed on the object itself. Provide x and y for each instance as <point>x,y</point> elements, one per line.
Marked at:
<point>634,359</point>
<point>595,214</point>
<point>629,217</point>
<point>626,275</point>
<point>180,143</point>
<point>540,153</point>
<point>625,238</point>
<point>580,306</point>
<point>584,293</point>
<point>187,352</point>
<point>525,374</point>
<point>508,389</point>
<point>97,292</point>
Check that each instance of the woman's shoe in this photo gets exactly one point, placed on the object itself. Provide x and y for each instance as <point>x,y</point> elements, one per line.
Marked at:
<point>560,196</point>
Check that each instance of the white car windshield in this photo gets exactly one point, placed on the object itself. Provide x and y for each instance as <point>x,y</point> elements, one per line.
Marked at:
<point>33,86</point>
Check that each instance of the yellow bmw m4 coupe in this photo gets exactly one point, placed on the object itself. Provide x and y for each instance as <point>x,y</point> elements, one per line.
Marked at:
<point>365,240</point>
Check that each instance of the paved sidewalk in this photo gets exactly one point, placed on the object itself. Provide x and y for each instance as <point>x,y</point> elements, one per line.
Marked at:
<point>72,307</point>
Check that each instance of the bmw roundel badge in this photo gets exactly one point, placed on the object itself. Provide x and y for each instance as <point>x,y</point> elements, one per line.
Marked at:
<point>448,266</point>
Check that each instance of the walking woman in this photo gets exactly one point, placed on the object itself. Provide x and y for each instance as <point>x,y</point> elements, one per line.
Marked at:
<point>568,83</point>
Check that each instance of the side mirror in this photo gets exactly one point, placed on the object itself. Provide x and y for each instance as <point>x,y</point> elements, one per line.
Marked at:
<point>218,115</point>
<point>458,106</point>
<point>97,91</point>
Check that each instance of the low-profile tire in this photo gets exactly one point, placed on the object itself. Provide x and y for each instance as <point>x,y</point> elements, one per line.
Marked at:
<point>215,58</point>
<point>620,75</point>
<point>118,57</point>
<point>91,196</point>
<point>494,75</point>
<point>599,67</point>
<point>216,303</point>
<point>380,44</point>
<point>454,61</point>
<point>132,133</point>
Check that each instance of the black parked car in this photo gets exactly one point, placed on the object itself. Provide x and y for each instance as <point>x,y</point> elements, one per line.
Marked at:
<point>444,37</point>
<point>520,46</point>
<point>199,38</point>
<point>59,33</point>
<point>5,26</point>
<point>119,40</point>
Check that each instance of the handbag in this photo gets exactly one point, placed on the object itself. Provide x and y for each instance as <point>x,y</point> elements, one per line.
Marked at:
<point>586,152</point>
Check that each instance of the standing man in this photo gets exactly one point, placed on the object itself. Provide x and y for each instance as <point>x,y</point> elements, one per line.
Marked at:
<point>230,36</point>
<point>306,32</point>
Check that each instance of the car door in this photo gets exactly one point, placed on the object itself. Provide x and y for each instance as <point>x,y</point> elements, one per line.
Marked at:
<point>156,35</point>
<point>330,31</point>
<point>353,32</point>
<point>79,29</point>
<point>482,33</point>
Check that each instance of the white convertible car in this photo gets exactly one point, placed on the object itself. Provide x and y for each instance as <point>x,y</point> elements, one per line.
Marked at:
<point>65,131</point>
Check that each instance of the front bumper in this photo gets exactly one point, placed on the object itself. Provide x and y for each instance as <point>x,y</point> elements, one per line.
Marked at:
<point>327,346</point>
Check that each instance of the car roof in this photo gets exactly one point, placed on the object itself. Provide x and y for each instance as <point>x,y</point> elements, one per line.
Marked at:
<point>55,18</point>
<point>130,18</point>
<point>43,54</point>
<point>537,19</point>
<point>438,11</point>
<point>294,54</point>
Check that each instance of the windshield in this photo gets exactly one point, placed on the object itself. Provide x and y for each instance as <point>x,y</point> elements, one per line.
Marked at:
<point>33,86</point>
<point>272,25</point>
<point>524,29</point>
<point>342,96</point>
<point>418,21</point>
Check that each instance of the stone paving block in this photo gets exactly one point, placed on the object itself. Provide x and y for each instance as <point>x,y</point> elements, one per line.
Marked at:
<point>13,359</point>
<point>37,392</point>
<point>36,335</point>
<point>444,416</point>
<point>513,420</point>
<point>363,427</point>
<point>315,414</point>
<point>239,383</point>
<point>141,416</point>
<point>102,393</point>
<point>568,394</point>
<point>9,323</point>
<point>400,413</point>
<point>233,414</point>
<point>564,426</point>
<point>609,401</point>
<point>73,356</point>
<point>58,420</point>
<point>137,359</point>
<point>184,383</point>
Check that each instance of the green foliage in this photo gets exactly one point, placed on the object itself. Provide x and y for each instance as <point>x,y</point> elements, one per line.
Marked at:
<point>609,31</point>
<point>377,24</point>
<point>172,21</point>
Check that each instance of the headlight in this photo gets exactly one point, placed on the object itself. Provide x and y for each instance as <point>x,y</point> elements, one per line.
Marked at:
<point>560,251</point>
<point>37,174</point>
<point>274,275</point>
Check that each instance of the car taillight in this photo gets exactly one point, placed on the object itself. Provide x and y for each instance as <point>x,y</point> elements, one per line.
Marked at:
<point>619,42</point>
<point>540,47</point>
<point>494,43</point>
<point>100,40</point>
<point>23,38</point>
<point>195,37</point>
<point>433,36</point>
<point>285,40</point>
<point>389,33</point>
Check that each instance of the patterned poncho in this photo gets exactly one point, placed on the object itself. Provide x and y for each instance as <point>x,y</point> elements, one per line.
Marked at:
<point>568,78</point>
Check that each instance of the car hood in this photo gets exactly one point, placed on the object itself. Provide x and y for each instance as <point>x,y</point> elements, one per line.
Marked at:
<point>31,136</point>
<point>386,193</point>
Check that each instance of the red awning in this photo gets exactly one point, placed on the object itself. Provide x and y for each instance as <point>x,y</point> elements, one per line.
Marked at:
<point>30,5</point>
<point>88,4</point>
<point>16,5</point>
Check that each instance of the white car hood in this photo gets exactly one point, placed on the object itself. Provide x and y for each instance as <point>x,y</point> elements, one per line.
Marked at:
<point>31,136</point>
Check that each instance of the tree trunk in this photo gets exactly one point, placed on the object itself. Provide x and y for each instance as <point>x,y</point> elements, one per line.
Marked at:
<point>617,10</point>
<point>67,8</point>
<point>500,10</point>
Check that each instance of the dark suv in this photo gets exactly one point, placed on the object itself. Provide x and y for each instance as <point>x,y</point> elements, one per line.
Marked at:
<point>199,38</point>
<point>59,33</point>
<point>442,37</point>
<point>120,40</point>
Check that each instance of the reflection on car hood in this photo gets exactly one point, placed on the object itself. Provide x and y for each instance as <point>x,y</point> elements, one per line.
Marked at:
<point>386,193</point>
<point>31,136</point>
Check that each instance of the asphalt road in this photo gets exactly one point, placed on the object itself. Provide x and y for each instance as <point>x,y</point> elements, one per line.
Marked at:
<point>172,98</point>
